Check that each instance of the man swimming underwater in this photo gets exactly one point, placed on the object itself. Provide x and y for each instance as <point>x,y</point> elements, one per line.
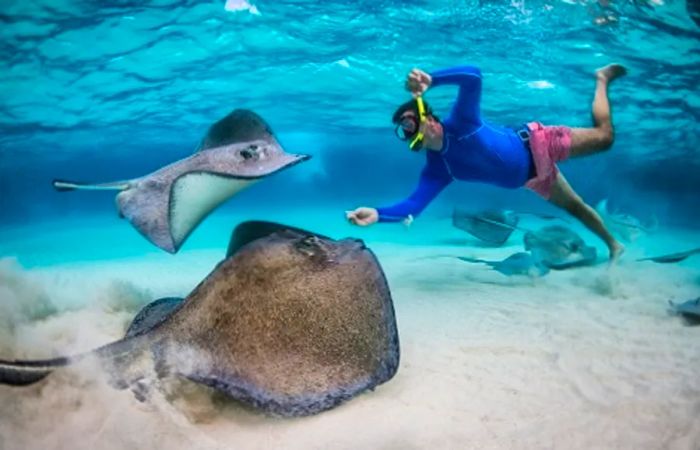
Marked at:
<point>466,147</point>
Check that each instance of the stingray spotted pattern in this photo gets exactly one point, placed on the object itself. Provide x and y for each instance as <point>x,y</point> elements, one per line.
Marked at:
<point>168,204</point>
<point>291,323</point>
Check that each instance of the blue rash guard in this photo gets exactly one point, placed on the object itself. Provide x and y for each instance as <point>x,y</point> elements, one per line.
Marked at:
<point>472,149</point>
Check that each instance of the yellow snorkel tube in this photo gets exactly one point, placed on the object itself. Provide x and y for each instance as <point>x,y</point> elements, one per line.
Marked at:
<point>418,138</point>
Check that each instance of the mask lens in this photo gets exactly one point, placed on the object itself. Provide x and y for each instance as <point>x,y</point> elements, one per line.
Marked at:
<point>407,128</point>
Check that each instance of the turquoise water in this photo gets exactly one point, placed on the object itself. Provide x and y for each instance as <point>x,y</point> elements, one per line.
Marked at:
<point>111,91</point>
<point>103,91</point>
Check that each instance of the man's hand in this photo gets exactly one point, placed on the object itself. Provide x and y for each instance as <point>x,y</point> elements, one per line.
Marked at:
<point>362,216</point>
<point>418,82</point>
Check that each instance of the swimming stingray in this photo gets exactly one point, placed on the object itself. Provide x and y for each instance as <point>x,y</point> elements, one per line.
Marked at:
<point>673,257</point>
<point>626,226</point>
<point>521,263</point>
<point>689,310</point>
<point>492,226</point>
<point>168,204</point>
<point>291,323</point>
<point>559,247</point>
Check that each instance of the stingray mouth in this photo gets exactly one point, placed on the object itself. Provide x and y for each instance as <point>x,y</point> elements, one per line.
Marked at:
<point>299,158</point>
<point>283,162</point>
<point>351,246</point>
<point>357,244</point>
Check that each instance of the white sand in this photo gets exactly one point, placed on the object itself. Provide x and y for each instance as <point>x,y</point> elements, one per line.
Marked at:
<point>582,359</point>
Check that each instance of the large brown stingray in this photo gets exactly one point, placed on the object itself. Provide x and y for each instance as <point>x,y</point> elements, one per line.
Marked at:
<point>168,204</point>
<point>291,323</point>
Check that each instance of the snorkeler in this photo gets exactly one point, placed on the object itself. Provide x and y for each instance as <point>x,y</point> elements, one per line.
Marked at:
<point>465,147</point>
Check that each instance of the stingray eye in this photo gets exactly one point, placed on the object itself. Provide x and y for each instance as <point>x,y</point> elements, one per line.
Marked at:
<point>248,153</point>
<point>308,245</point>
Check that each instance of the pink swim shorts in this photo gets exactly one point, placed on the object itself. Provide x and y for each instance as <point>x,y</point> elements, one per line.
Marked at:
<point>549,145</point>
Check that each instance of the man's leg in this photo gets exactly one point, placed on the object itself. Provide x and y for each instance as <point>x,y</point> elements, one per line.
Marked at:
<point>563,196</point>
<point>587,141</point>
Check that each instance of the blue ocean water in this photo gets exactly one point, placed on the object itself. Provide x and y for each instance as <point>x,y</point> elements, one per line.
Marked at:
<point>99,91</point>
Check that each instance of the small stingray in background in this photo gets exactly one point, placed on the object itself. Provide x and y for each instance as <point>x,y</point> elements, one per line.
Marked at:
<point>492,226</point>
<point>673,257</point>
<point>168,204</point>
<point>690,310</point>
<point>521,263</point>
<point>291,323</point>
<point>559,247</point>
<point>626,226</point>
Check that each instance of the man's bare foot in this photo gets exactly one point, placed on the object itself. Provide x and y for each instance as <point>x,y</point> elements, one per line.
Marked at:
<point>616,251</point>
<point>610,72</point>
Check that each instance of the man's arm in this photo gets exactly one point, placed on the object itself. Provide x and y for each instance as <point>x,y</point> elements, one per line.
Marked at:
<point>429,186</point>
<point>468,78</point>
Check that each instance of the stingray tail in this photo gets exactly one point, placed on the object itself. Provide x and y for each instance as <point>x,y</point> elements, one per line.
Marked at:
<point>63,185</point>
<point>22,373</point>
<point>499,224</point>
<point>475,260</point>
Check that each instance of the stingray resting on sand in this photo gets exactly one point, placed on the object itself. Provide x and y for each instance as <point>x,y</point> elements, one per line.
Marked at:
<point>673,257</point>
<point>559,247</point>
<point>690,310</point>
<point>291,323</point>
<point>168,204</point>
<point>521,263</point>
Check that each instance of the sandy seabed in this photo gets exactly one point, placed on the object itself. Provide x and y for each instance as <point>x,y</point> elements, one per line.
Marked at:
<point>580,359</point>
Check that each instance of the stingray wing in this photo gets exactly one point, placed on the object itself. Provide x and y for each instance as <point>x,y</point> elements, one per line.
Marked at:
<point>251,230</point>
<point>689,310</point>
<point>152,315</point>
<point>494,227</point>
<point>673,257</point>
<point>240,125</point>
<point>194,196</point>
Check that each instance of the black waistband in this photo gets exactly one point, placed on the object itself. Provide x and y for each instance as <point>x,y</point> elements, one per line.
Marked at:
<point>523,132</point>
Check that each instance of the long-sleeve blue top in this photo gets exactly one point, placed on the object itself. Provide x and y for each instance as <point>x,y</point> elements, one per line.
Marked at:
<point>472,149</point>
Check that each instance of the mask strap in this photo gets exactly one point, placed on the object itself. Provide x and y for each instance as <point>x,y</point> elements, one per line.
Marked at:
<point>421,120</point>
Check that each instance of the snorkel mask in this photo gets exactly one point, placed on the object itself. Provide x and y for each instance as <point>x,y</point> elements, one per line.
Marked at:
<point>411,129</point>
